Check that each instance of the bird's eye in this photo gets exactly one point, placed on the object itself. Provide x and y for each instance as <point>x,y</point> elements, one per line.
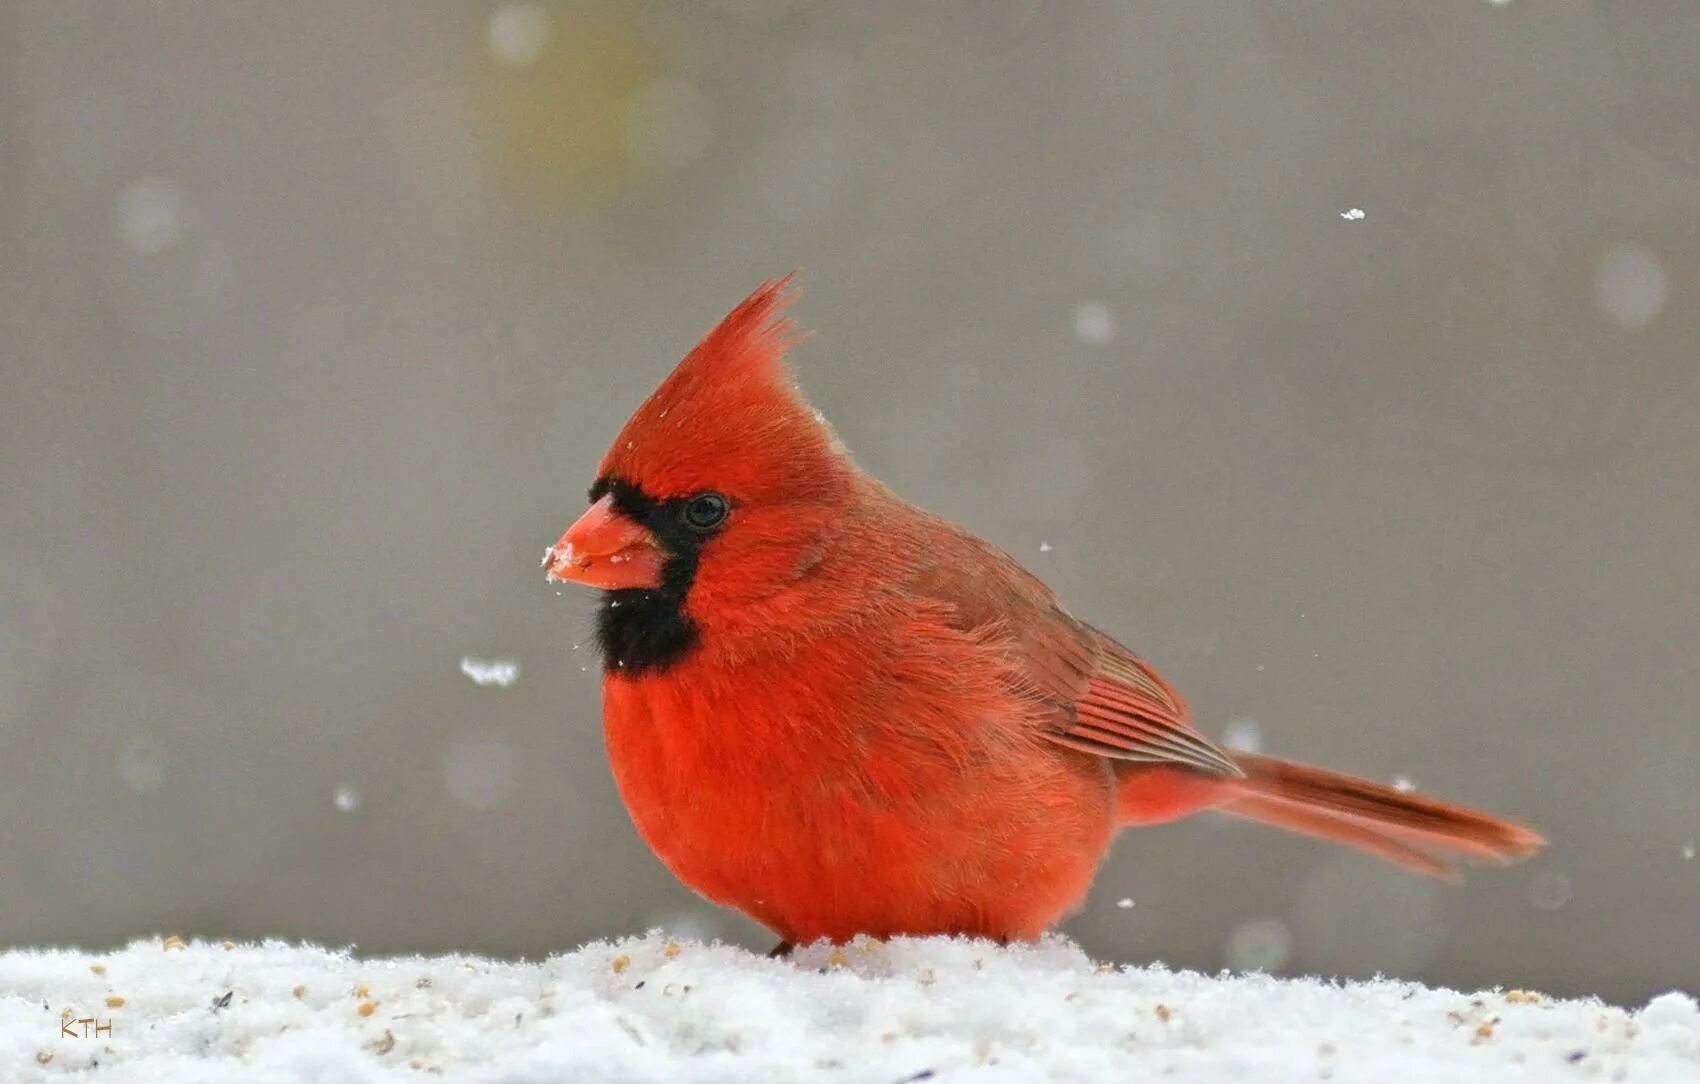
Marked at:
<point>705,511</point>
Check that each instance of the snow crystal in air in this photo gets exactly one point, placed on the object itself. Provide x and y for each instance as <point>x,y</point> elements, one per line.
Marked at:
<point>1093,323</point>
<point>503,672</point>
<point>1262,944</point>
<point>347,799</point>
<point>517,34</point>
<point>478,769</point>
<point>1044,547</point>
<point>1631,285</point>
<point>1688,851</point>
<point>1125,903</point>
<point>150,215</point>
<point>1549,890</point>
<point>1353,214</point>
<point>667,125</point>
<point>141,765</point>
<point>1243,735</point>
<point>1403,784</point>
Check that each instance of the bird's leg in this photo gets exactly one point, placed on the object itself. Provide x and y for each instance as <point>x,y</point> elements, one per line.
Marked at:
<point>780,951</point>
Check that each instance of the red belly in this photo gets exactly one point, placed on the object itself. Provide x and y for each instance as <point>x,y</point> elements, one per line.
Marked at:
<point>880,825</point>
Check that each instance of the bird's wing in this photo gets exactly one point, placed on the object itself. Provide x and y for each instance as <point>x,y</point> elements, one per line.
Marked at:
<point>1092,694</point>
<point>1128,712</point>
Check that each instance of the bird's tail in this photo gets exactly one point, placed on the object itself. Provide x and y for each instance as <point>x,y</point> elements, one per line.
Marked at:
<point>1419,833</point>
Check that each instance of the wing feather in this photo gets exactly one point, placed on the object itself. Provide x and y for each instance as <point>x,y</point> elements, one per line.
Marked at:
<point>1090,693</point>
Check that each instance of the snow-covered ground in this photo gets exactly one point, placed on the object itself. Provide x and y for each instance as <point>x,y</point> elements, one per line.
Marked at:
<point>653,1009</point>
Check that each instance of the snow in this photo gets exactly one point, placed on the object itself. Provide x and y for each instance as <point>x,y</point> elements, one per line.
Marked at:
<point>1243,735</point>
<point>1631,285</point>
<point>557,557</point>
<point>149,215</point>
<point>517,34</point>
<point>655,1009</point>
<point>503,672</point>
<point>1353,214</point>
<point>141,764</point>
<point>1094,323</point>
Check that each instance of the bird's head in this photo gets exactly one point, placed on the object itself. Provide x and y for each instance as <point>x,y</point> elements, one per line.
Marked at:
<point>720,492</point>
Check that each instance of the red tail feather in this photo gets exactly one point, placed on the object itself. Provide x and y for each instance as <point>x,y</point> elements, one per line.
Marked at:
<point>1419,833</point>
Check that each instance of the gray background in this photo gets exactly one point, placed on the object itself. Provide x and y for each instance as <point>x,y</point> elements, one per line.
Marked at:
<point>317,317</point>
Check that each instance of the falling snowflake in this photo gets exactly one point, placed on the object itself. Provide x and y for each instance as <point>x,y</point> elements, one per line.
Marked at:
<point>1243,735</point>
<point>141,765</point>
<point>1094,324</point>
<point>517,34</point>
<point>150,215</point>
<point>1631,285</point>
<point>502,672</point>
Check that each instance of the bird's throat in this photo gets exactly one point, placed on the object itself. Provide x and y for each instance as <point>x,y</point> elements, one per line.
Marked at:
<point>644,631</point>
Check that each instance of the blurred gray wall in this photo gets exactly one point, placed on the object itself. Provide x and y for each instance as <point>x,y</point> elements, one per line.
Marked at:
<point>317,317</point>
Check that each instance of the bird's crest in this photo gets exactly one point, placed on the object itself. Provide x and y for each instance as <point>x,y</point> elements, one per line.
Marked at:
<point>729,417</point>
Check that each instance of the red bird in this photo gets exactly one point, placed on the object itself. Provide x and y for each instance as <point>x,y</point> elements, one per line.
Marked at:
<point>841,714</point>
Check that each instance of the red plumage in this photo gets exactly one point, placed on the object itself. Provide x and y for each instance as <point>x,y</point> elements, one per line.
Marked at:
<point>841,714</point>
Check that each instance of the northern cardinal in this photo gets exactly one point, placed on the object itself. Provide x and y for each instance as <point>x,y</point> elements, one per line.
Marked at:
<point>841,714</point>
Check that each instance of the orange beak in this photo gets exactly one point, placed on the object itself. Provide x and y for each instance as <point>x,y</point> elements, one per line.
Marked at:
<point>605,549</point>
